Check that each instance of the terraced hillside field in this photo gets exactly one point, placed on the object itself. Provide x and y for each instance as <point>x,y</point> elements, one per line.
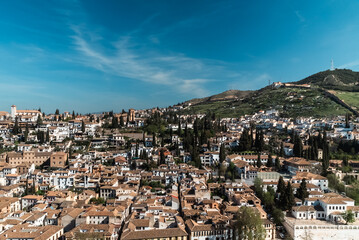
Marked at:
<point>350,98</point>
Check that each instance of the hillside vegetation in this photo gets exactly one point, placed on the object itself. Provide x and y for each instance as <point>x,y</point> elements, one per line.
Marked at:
<point>224,96</point>
<point>339,79</point>
<point>350,98</point>
<point>291,102</point>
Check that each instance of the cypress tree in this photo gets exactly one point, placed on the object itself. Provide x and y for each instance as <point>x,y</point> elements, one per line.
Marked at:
<point>47,136</point>
<point>39,120</point>
<point>121,121</point>
<point>222,153</point>
<point>40,137</point>
<point>154,140</point>
<point>281,185</point>
<point>70,152</point>
<point>33,189</point>
<point>289,196</point>
<point>26,134</point>
<point>114,122</point>
<point>281,152</point>
<point>257,141</point>
<point>245,143</point>
<point>179,131</point>
<point>16,129</point>
<point>302,191</point>
<point>162,157</point>
<point>347,125</point>
<point>270,161</point>
<point>128,119</point>
<point>298,146</point>
<point>345,161</point>
<point>259,162</point>
<point>136,150</point>
<point>261,141</point>
<point>83,127</point>
<point>277,164</point>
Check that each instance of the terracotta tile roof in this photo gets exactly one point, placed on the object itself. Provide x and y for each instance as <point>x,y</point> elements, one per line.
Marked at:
<point>156,233</point>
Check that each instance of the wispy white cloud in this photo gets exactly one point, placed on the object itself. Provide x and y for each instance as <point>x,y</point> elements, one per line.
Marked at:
<point>300,16</point>
<point>353,64</point>
<point>250,81</point>
<point>130,61</point>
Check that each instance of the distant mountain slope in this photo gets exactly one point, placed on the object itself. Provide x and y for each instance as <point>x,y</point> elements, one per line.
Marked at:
<point>292,101</point>
<point>340,79</point>
<point>227,95</point>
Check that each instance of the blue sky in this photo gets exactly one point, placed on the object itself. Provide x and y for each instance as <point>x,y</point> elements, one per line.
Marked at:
<point>92,56</point>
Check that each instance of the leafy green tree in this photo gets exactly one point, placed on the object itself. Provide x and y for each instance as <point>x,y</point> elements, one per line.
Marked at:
<point>98,201</point>
<point>348,216</point>
<point>249,225</point>
<point>258,187</point>
<point>278,216</point>
<point>57,112</point>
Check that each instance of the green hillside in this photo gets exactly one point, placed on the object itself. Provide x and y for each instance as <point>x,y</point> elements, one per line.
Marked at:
<point>291,102</point>
<point>350,98</point>
<point>294,101</point>
<point>339,79</point>
<point>224,96</point>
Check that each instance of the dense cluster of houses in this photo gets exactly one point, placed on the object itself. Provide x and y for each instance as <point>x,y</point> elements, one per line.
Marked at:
<point>93,182</point>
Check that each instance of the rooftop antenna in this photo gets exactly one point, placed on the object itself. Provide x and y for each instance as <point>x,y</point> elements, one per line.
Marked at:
<point>332,65</point>
<point>268,82</point>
